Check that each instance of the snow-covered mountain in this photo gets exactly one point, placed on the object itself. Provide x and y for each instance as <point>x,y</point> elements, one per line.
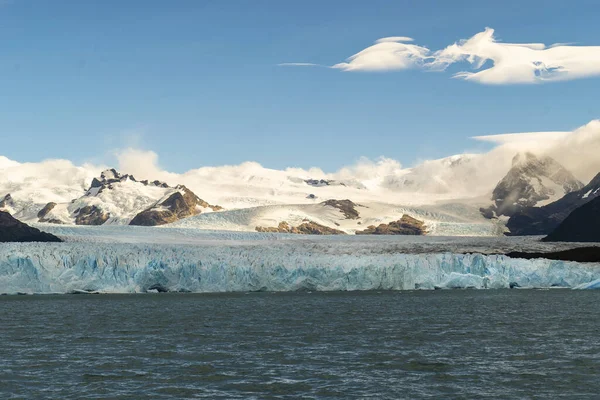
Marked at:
<point>543,220</point>
<point>531,181</point>
<point>445,194</point>
<point>114,198</point>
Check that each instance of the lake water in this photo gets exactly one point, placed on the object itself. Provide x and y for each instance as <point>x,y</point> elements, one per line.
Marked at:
<point>467,344</point>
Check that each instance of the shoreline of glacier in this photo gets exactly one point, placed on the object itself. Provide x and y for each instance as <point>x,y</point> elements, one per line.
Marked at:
<point>269,266</point>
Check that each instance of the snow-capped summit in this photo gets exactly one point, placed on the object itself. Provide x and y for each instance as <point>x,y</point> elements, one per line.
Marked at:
<point>543,220</point>
<point>110,176</point>
<point>531,181</point>
<point>115,198</point>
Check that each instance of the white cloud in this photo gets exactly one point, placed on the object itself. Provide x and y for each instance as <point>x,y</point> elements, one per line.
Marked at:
<point>139,163</point>
<point>386,54</point>
<point>576,150</point>
<point>395,39</point>
<point>524,140</point>
<point>519,63</point>
<point>512,63</point>
<point>297,64</point>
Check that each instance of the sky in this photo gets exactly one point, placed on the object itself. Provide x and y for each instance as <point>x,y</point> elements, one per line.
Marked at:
<point>206,83</point>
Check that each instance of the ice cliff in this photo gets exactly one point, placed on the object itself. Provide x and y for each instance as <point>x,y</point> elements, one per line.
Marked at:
<point>267,266</point>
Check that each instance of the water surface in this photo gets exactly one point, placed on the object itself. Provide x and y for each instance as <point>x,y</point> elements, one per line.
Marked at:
<point>468,344</point>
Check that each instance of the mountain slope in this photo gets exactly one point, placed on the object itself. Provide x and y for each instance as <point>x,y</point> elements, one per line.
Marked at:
<point>531,181</point>
<point>450,219</point>
<point>13,230</point>
<point>543,220</point>
<point>582,225</point>
<point>180,204</point>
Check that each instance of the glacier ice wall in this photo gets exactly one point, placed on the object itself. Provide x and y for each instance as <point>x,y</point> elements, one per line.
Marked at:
<point>268,266</point>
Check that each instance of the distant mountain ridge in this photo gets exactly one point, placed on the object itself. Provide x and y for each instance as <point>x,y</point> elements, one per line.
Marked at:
<point>543,220</point>
<point>114,198</point>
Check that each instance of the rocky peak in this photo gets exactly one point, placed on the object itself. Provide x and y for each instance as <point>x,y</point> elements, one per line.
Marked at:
<point>531,180</point>
<point>111,176</point>
<point>523,158</point>
<point>180,204</point>
<point>543,220</point>
<point>7,201</point>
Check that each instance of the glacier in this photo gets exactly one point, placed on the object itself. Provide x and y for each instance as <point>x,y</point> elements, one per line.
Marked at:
<point>269,265</point>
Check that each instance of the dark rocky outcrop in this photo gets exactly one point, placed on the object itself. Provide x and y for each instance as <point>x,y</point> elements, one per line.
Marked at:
<point>90,215</point>
<point>581,254</point>
<point>95,183</point>
<point>406,225</point>
<point>322,182</point>
<point>347,207</point>
<point>543,220</point>
<point>7,201</point>
<point>13,230</point>
<point>582,225</point>
<point>111,176</point>
<point>527,183</point>
<point>181,204</point>
<point>305,228</point>
<point>44,211</point>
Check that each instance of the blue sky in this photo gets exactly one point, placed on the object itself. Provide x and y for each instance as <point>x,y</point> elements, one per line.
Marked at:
<point>198,82</point>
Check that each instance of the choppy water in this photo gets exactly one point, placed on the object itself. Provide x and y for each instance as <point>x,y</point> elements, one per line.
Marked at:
<point>443,344</point>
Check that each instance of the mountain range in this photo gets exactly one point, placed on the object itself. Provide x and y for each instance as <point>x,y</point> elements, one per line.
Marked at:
<point>535,195</point>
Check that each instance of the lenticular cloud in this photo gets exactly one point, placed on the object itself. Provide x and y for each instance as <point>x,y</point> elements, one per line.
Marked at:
<point>519,63</point>
<point>512,63</point>
<point>386,54</point>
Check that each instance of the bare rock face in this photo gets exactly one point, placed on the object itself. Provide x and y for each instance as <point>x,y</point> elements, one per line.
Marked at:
<point>44,211</point>
<point>347,207</point>
<point>7,201</point>
<point>13,230</point>
<point>181,204</point>
<point>305,228</point>
<point>323,182</point>
<point>406,225</point>
<point>530,180</point>
<point>90,215</point>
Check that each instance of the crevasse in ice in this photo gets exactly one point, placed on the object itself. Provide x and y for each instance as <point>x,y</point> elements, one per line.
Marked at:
<point>268,266</point>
